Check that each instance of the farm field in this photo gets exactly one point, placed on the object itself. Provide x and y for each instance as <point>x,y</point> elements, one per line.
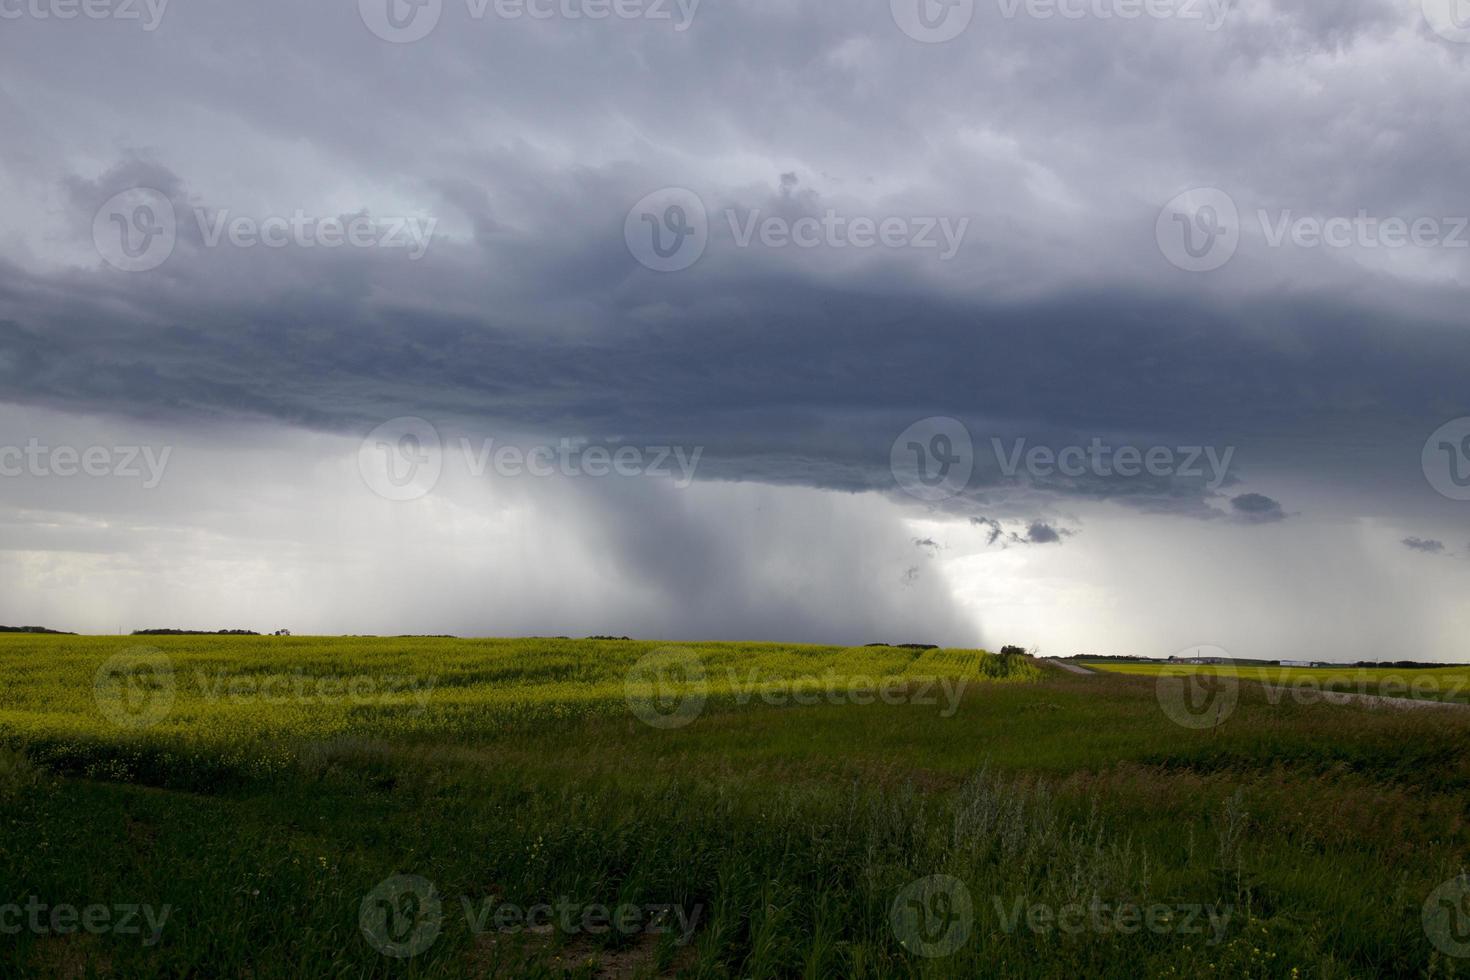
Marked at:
<point>344,807</point>
<point>1450,684</point>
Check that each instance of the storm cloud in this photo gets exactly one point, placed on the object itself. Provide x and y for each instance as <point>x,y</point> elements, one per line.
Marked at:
<point>1051,307</point>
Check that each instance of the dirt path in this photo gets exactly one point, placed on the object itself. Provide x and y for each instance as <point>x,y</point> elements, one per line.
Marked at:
<point>1378,701</point>
<point>1331,697</point>
<point>1069,668</point>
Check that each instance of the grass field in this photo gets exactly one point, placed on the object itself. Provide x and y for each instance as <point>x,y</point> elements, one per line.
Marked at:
<point>272,807</point>
<point>1425,684</point>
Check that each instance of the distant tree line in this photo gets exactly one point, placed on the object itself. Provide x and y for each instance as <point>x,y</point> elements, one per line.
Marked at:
<point>33,629</point>
<point>195,633</point>
<point>905,646</point>
<point>1106,656</point>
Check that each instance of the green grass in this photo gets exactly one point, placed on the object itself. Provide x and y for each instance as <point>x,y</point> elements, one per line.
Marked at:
<point>785,831</point>
<point>1423,684</point>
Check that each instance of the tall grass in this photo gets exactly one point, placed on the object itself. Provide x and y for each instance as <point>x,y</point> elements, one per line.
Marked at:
<point>804,840</point>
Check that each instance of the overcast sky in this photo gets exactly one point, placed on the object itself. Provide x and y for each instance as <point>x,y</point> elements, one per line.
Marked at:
<point>1104,326</point>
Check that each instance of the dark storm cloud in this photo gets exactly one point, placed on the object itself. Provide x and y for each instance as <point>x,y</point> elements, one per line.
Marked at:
<point>1058,321</point>
<point>991,525</point>
<point>1426,545</point>
<point>1317,372</point>
<point>1039,533</point>
<point>1034,532</point>
<point>761,369</point>
<point>1257,508</point>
